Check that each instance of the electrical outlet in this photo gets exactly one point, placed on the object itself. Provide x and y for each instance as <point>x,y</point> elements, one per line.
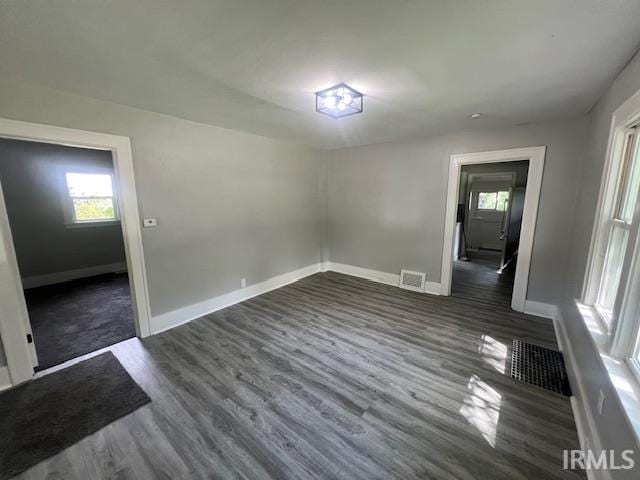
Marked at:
<point>243,282</point>
<point>600,402</point>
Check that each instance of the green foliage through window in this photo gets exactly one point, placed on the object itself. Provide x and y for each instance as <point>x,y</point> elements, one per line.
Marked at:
<point>493,201</point>
<point>91,196</point>
<point>503,201</point>
<point>88,209</point>
<point>487,200</point>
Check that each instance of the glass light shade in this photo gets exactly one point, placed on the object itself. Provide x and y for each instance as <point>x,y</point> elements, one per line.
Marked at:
<point>339,101</point>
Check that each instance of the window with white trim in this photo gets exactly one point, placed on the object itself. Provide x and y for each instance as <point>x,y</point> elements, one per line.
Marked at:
<point>618,225</point>
<point>90,198</point>
<point>613,278</point>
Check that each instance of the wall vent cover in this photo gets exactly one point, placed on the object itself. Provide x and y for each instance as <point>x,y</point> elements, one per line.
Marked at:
<point>410,280</point>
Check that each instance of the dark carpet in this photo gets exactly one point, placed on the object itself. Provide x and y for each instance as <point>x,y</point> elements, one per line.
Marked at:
<point>45,416</point>
<point>74,318</point>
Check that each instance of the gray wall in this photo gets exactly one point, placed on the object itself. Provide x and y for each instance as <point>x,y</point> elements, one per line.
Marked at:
<point>31,175</point>
<point>612,426</point>
<point>386,202</point>
<point>230,205</point>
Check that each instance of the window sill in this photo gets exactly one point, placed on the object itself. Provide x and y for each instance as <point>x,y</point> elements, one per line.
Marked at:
<point>622,377</point>
<point>103,223</point>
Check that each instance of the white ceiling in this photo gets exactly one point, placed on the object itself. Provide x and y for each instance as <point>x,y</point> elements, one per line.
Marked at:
<point>253,65</point>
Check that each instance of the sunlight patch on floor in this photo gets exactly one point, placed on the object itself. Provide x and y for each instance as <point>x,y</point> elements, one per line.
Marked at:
<point>482,408</point>
<point>494,353</point>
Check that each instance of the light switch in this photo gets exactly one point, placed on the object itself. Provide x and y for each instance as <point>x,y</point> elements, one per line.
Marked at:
<point>149,222</point>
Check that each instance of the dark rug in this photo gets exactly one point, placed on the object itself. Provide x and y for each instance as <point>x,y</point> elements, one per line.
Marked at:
<point>74,318</point>
<point>41,418</point>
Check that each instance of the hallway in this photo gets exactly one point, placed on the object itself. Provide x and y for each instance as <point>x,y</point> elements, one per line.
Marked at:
<point>478,279</point>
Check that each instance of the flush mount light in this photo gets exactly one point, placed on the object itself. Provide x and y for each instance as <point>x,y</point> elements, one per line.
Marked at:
<point>339,101</point>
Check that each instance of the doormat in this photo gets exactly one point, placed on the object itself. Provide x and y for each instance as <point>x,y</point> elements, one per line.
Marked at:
<point>539,366</point>
<point>43,417</point>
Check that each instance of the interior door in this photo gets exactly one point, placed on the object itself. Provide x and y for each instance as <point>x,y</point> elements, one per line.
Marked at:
<point>15,327</point>
<point>512,225</point>
<point>483,228</point>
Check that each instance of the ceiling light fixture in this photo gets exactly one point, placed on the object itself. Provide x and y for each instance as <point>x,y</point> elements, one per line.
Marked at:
<point>476,115</point>
<point>339,101</point>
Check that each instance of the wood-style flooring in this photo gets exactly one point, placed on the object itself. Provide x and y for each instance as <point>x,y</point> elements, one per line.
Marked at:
<point>333,377</point>
<point>478,279</point>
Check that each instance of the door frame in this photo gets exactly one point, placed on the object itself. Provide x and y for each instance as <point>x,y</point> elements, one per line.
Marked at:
<point>536,157</point>
<point>14,319</point>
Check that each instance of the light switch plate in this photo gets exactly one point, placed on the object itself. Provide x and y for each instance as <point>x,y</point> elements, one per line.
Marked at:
<point>149,222</point>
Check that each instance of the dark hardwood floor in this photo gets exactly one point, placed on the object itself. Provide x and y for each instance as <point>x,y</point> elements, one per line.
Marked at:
<point>478,279</point>
<point>333,377</point>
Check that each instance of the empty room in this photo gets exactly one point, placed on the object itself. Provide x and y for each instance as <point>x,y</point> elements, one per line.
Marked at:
<point>285,239</point>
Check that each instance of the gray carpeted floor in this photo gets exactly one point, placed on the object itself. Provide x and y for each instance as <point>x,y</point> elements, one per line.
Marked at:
<point>43,417</point>
<point>74,318</point>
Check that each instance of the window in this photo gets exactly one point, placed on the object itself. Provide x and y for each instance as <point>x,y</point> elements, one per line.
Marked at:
<point>612,286</point>
<point>493,201</point>
<point>618,225</point>
<point>90,198</point>
<point>611,293</point>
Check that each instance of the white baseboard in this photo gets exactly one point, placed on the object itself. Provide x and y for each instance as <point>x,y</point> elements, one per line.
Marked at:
<point>172,319</point>
<point>373,275</point>
<point>432,288</point>
<point>582,413</point>
<point>166,321</point>
<point>540,309</point>
<point>5,378</point>
<point>68,275</point>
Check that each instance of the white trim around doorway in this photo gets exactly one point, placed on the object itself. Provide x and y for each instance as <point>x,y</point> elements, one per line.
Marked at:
<point>14,320</point>
<point>536,156</point>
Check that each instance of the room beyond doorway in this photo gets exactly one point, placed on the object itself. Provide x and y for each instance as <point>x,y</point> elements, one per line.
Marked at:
<point>488,224</point>
<point>62,207</point>
<point>530,199</point>
<point>81,316</point>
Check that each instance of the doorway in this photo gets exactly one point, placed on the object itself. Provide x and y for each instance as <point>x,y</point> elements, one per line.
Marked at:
<point>16,331</point>
<point>488,224</point>
<point>520,253</point>
<point>63,213</point>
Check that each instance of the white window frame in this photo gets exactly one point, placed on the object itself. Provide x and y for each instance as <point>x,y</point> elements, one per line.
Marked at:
<point>623,328</point>
<point>68,209</point>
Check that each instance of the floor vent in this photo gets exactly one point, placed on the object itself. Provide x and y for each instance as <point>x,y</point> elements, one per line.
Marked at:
<point>410,280</point>
<point>539,366</point>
